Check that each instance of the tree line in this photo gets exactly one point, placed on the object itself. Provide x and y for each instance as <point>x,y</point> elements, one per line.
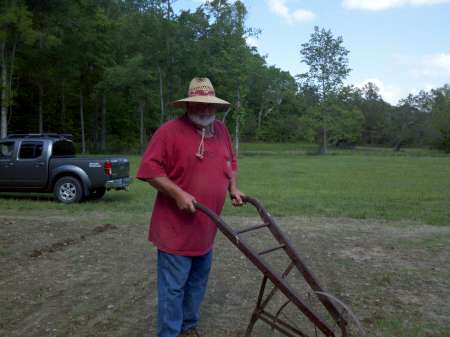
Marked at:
<point>105,71</point>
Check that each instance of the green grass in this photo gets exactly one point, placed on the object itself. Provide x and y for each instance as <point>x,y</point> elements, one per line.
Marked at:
<point>403,327</point>
<point>416,188</point>
<point>433,243</point>
<point>385,185</point>
<point>266,149</point>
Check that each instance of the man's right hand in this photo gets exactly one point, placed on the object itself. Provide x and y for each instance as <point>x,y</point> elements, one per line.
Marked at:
<point>185,201</point>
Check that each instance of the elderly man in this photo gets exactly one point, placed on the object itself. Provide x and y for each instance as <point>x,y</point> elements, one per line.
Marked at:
<point>188,159</point>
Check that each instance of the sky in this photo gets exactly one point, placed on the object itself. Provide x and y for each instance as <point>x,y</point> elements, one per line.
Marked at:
<point>403,46</point>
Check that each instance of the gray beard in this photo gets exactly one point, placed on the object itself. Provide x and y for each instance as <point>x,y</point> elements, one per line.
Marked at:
<point>202,121</point>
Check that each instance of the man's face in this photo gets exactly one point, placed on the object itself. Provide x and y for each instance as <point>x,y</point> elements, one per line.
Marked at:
<point>201,114</point>
<point>202,109</point>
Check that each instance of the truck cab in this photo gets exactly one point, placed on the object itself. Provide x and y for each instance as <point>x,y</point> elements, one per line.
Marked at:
<point>23,163</point>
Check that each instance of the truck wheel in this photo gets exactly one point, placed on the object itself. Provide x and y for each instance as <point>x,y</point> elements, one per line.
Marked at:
<point>97,193</point>
<point>68,190</point>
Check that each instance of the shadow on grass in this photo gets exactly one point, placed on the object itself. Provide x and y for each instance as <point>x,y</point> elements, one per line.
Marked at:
<point>49,197</point>
<point>23,196</point>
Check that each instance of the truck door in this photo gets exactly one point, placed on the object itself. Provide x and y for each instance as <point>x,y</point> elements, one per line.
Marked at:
<point>6,163</point>
<point>31,168</point>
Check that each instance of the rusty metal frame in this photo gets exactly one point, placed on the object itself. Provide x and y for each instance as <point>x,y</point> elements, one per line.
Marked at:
<point>279,281</point>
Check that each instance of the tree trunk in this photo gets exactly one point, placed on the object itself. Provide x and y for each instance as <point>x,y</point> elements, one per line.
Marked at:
<point>141,124</point>
<point>168,112</point>
<point>95,129</point>
<point>169,10</point>
<point>83,142</point>
<point>4,109</point>
<point>170,62</point>
<point>10,79</point>
<point>103,120</point>
<point>225,115</point>
<point>324,148</point>
<point>63,106</point>
<point>260,112</point>
<point>41,90</point>
<point>161,97</point>
<point>236,131</point>
<point>41,98</point>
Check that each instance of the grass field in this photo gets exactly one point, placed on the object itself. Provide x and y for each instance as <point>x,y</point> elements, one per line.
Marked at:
<point>362,183</point>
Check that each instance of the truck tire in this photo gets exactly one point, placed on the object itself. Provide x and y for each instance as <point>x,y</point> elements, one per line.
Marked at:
<point>97,193</point>
<point>68,190</point>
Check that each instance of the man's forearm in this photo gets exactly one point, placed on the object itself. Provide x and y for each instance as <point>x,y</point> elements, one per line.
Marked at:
<point>235,194</point>
<point>233,183</point>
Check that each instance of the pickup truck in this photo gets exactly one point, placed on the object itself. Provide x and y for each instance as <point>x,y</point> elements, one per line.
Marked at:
<point>47,163</point>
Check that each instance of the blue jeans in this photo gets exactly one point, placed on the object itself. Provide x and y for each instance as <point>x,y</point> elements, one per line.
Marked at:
<point>182,282</point>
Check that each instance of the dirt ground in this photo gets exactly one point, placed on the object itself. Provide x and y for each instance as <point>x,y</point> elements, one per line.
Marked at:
<point>66,277</point>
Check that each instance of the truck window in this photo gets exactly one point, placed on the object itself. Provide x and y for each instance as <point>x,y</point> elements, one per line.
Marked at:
<point>63,148</point>
<point>30,150</point>
<point>6,150</point>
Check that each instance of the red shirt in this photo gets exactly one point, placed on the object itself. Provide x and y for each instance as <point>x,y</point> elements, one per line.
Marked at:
<point>171,152</point>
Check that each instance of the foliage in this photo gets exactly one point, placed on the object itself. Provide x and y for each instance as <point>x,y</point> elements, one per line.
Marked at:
<point>16,32</point>
<point>106,70</point>
<point>441,116</point>
<point>327,60</point>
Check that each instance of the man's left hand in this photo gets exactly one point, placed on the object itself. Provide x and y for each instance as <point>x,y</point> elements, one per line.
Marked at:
<point>236,197</point>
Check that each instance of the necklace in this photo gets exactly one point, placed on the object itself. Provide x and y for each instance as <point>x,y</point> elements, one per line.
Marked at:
<point>207,132</point>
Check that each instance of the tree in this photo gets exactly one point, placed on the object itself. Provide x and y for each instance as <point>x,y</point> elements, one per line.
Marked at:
<point>89,39</point>
<point>376,115</point>
<point>343,115</point>
<point>327,60</point>
<point>42,71</point>
<point>15,30</point>
<point>134,77</point>
<point>104,71</point>
<point>441,116</point>
<point>407,122</point>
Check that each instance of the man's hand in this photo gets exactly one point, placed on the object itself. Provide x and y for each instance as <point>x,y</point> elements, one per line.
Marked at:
<point>185,201</point>
<point>236,197</point>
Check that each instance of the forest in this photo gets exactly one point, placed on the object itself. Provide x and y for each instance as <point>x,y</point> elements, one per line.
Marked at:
<point>105,71</point>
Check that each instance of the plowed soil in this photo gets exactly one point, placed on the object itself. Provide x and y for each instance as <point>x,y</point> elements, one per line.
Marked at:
<point>77,276</point>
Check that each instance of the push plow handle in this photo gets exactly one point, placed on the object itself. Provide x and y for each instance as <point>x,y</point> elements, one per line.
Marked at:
<point>279,281</point>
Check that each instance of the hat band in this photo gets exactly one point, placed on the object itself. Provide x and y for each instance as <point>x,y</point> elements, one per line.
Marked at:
<point>200,92</point>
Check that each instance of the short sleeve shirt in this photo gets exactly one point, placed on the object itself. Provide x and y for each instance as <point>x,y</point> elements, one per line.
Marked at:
<point>171,152</point>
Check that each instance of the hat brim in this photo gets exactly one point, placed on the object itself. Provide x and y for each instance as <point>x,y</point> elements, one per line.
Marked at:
<point>219,103</point>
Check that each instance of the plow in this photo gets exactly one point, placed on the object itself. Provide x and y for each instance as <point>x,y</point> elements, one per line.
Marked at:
<point>330,317</point>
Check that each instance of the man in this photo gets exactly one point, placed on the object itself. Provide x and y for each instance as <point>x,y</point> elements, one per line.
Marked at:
<point>188,159</point>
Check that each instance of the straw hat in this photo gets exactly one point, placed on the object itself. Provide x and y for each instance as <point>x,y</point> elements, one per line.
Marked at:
<point>201,91</point>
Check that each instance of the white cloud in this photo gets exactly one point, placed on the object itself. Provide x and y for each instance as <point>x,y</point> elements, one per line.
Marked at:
<point>206,1</point>
<point>252,41</point>
<point>280,8</point>
<point>434,67</point>
<point>438,64</point>
<point>390,93</point>
<point>378,5</point>
<point>301,15</point>
<point>413,74</point>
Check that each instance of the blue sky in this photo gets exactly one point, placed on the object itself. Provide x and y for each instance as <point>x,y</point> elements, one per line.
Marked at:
<point>402,46</point>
